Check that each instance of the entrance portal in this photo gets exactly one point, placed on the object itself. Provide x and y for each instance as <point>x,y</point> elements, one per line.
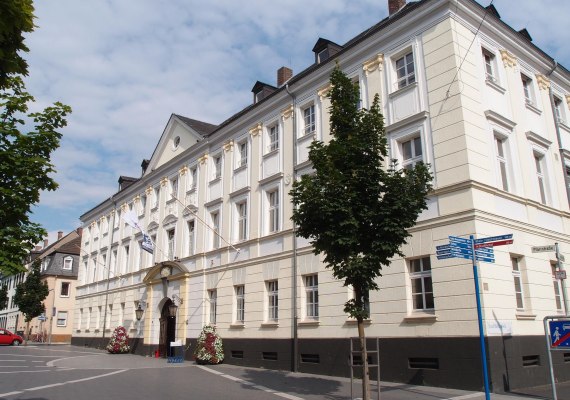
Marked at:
<point>167,330</point>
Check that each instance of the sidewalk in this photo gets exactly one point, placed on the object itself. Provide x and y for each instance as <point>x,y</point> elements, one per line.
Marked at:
<point>306,386</point>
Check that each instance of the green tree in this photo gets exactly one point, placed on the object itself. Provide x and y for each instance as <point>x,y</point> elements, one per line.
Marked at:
<point>357,206</point>
<point>30,295</point>
<point>3,297</point>
<point>25,157</point>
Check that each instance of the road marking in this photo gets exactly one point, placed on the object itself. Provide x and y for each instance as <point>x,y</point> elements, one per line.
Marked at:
<point>13,360</point>
<point>468,396</point>
<point>61,383</point>
<point>244,382</point>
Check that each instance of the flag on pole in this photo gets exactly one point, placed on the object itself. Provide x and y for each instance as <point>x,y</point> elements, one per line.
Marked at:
<point>130,217</point>
<point>147,243</point>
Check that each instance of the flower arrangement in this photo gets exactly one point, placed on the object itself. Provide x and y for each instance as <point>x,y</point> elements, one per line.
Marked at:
<point>119,342</point>
<point>209,348</point>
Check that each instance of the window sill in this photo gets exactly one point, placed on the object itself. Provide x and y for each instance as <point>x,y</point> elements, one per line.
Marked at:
<point>307,136</point>
<point>420,317</point>
<point>309,323</point>
<point>171,199</point>
<point>525,316</point>
<point>237,326</point>
<point>352,321</point>
<point>406,88</point>
<point>78,331</point>
<point>87,331</point>
<point>564,125</point>
<point>191,190</point>
<point>533,108</point>
<point>96,331</point>
<point>240,168</point>
<point>271,153</point>
<point>269,324</point>
<point>215,180</point>
<point>495,86</point>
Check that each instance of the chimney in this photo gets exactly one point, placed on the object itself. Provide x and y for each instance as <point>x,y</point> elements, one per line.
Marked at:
<point>59,235</point>
<point>79,231</point>
<point>46,243</point>
<point>283,75</point>
<point>395,5</point>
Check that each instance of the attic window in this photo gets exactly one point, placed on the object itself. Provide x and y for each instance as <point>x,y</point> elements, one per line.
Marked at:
<point>323,55</point>
<point>176,142</point>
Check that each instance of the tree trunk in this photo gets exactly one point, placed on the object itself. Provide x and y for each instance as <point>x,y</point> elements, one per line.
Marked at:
<point>364,355</point>
<point>27,333</point>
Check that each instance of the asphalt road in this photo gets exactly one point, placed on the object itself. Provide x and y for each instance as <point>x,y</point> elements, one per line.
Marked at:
<point>68,372</point>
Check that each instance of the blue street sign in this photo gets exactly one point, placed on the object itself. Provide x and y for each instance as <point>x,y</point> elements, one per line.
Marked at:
<point>444,256</point>
<point>484,250</point>
<point>463,255</point>
<point>458,239</point>
<point>559,334</point>
<point>443,247</point>
<point>460,245</point>
<point>493,238</point>
<point>438,252</point>
<point>485,259</point>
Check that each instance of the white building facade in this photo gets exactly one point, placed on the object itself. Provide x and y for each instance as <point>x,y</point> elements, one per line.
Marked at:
<point>460,90</point>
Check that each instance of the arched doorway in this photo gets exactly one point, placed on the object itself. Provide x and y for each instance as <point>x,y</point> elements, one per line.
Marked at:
<point>167,330</point>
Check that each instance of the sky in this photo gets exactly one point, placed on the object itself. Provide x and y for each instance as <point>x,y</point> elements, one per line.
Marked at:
<point>124,66</point>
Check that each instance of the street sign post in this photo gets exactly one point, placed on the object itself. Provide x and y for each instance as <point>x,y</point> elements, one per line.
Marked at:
<point>543,249</point>
<point>557,334</point>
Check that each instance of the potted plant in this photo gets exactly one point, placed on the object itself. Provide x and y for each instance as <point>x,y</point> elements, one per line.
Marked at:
<point>119,342</point>
<point>209,348</point>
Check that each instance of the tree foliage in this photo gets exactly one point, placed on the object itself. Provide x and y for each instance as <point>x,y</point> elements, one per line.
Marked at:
<point>3,297</point>
<point>357,206</point>
<point>25,157</point>
<point>31,293</point>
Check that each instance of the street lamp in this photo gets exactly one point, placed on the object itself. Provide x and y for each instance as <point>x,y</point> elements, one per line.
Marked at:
<point>52,312</point>
<point>173,308</point>
<point>139,311</point>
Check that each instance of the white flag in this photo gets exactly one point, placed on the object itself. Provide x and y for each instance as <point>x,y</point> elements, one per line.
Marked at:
<point>130,217</point>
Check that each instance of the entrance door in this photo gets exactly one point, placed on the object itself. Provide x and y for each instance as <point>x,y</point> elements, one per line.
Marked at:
<point>167,330</point>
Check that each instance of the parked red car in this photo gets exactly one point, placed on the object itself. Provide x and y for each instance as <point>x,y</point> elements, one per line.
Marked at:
<point>7,337</point>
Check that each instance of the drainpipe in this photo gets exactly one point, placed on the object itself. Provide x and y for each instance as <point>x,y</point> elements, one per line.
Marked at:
<point>295,349</point>
<point>558,137</point>
<point>109,252</point>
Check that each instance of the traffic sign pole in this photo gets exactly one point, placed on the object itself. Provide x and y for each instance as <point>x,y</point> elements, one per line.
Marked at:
<point>480,318</point>
<point>560,267</point>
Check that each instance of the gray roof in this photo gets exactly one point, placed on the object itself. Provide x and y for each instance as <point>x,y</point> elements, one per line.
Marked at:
<point>203,128</point>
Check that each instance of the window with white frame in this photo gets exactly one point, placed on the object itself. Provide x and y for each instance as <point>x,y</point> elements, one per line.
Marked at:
<point>502,161</point>
<point>94,261</point>
<point>528,90</point>
<point>309,121</point>
<point>140,262</point>
<point>421,282</point>
<point>191,240</point>
<point>217,165</point>
<point>215,225</point>
<point>173,187</point>
<point>68,263</point>
<point>79,319</point>
<point>412,153</point>
<point>155,196</point>
<point>99,317</point>
<point>490,63</point>
<point>242,154</point>
<point>153,254</point>
<point>273,138</point>
<point>240,303</point>
<point>540,176</point>
<point>311,296</point>
<point>559,110</point>
<point>170,241</point>
<point>365,301</point>
<point>273,210</point>
<point>114,262</point>
<point>109,316</point>
<point>193,177</point>
<point>557,287</point>
<point>62,318</point>
<point>272,301</point>
<point>142,204</point>
<point>405,70</point>
<point>126,249</point>
<point>518,283</point>
<point>356,83</point>
<point>213,298</point>
<point>241,210</point>
<point>64,292</point>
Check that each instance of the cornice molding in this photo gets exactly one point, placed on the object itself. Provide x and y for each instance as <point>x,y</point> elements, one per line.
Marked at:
<point>256,130</point>
<point>164,181</point>
<point>287,112</point>
<point>509,60</point>
<point>183,170</point>
<point>568,100</point>
<point>373,64</point>
<point>323,92</point>
<point>228,146</point>
<point>202,160</point>
<point>148,191</point>
<point>543,82</point>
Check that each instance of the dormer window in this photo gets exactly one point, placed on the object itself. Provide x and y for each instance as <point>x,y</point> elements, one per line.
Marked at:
<point>322,55</point>
<point>325,49</point>
<point>68,263</point>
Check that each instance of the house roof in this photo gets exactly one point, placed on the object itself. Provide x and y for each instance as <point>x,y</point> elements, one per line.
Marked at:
<point>203,128</point>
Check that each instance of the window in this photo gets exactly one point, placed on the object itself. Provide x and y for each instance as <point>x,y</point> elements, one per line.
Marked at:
<point>490,66</point>
<point>527,89</point>
<point>539,163</point>
<point>309,119</point>
<point>242,220</point>
<point>117,219</point>
<point>126,262</point>
<point>405,70</point>
<point>217,167</point>
<point>153,240</point>
<point>174,188</point>
<point>122,314</point>
<point>502,163</point>
<point>273,137</point>
<point>240,303</point>
<point>213,297</point>
<point>155,196</point>
<point>420,276</point>
<point>312,296</point>
<point>114,261</point>
<point>140,264</point>
<point>215,220</point>
<point>143,204</point>
<point>242,148</point>
<point>557,288</point>
<point>559,110</point>
<point>68,263</point>
<point>170,237</point>
<point>64,289</point>
<point>272,301</point>
<point>191,237</point>
<point>517,278</point>
<point>62,318</point>
<point>193,176</point>
<point>273,200</point>
<point>365,301</point>
<point>411,152</point>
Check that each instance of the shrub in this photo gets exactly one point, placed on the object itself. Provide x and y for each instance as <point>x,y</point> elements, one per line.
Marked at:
<point>209,348</point>
<point>119,342</point>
